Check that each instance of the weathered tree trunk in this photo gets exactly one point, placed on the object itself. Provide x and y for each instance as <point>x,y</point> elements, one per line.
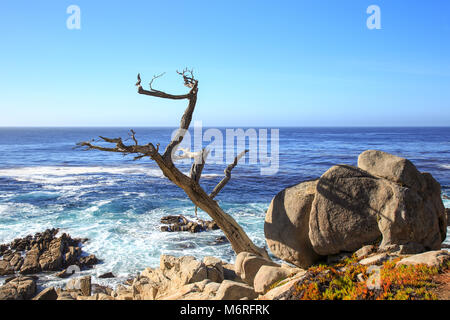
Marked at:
<point>233,231</point>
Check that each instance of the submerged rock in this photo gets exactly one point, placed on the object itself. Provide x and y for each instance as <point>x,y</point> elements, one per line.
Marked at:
<point>181,223</point>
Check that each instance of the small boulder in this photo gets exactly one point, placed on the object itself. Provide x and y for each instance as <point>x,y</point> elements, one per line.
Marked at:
<point>19,288</point>
<point>375,259</point>
<point>365,251</point>
<point>230,290</point>
<point>107,275</point>
<point>430,258</point>
<point>82,283</point>
<point>248,264</point>
<point>214,269</point>
<point>284,289</point>
<point>267,276</point>
<point>47,294</point>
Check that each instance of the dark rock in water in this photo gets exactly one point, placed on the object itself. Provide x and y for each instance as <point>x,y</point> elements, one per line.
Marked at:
<point>43,252</point>
<point>181,223</point>
<point>107,275</point>
<point>88,261</point>
<point>220,240</point>
<point>174,219</point>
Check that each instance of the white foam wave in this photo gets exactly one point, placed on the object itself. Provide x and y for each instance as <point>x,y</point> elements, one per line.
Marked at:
<point>445,166</point>
<point>58,175</point>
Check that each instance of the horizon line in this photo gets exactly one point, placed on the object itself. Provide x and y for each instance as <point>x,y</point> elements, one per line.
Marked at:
<point>225,126</point>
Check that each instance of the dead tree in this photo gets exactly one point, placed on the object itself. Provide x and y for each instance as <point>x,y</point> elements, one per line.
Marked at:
<point>190,184</point>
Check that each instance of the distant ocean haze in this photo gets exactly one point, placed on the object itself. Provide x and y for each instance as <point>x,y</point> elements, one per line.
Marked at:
<point>117,203</point>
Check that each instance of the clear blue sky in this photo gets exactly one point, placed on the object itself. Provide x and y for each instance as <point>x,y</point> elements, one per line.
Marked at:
<point>259,63</point>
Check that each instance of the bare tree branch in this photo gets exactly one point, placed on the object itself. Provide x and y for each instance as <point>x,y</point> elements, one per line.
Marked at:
<point>142,151</point>
<point>227,177</point>
<point>239,240</point>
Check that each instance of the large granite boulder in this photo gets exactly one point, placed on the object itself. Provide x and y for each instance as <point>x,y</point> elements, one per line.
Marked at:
<point>345,210</point>
<point>384,201</point>
<point>286,225</point>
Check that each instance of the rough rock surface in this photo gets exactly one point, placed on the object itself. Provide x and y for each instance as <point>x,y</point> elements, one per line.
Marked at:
<point>19,288</point>
<point>47,294</point>
<point>286,226</point>
<point>267,276</point>
<point>82,283</point>
<point>181,223</point>
<point>174,274</point>
<point>247,266</point>
<point>393,168</point>
<point>231,290</point>
<point>430,258</point>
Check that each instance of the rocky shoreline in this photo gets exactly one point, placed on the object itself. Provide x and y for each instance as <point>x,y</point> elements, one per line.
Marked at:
<point>250,278</point>
<point>369,232</point>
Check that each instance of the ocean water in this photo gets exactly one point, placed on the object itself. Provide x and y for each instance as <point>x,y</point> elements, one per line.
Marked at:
<point>117,203</point>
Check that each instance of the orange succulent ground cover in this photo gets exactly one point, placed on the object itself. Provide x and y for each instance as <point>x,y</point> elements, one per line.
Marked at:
<point>348,281</point>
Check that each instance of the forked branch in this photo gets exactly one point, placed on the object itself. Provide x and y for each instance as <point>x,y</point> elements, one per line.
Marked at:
<point>232,230</point>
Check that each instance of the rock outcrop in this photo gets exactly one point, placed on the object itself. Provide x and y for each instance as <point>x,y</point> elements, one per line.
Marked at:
<point>19,288</point>
<point>181,223</point>
<point>384,201</point>
<point>176,278</point>
<point>43,252</point>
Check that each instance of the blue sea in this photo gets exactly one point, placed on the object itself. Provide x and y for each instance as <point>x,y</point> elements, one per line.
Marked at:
<point>117,202</point>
